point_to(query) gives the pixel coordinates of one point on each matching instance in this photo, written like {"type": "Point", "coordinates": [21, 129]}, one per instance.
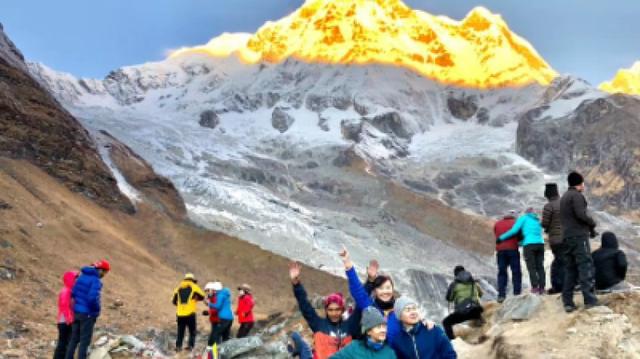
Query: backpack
{"type": "Point", "coordinates": [469, 305]}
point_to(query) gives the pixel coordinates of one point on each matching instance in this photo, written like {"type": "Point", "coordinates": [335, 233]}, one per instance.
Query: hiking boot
{"type": "Point", "coordinates": [541, 291]}
{"type": "Point", "coordinates": [500, 299]}
{"type": "Point", "coordinates": [570, 308]}
{"type": "Point", "coordinates": [553, 291]}
{"type": "Point", "coordinates": [534, 291]}
{"type": "Point", "coordinates": [591, 305]}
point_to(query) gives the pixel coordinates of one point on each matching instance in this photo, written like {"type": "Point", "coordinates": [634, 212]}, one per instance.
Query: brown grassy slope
{"type": "Point", "coordinates": [149, 253]}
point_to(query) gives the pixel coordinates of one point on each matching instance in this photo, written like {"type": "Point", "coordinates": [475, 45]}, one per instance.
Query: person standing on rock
{"type": "Point", "coordinates": [416, 340]}
{"type": "Point", "coordinates": [185, 298]}
{"type": "Point", "coordinates": [533, 243]}
{"type": "Point", "coordinates": [331, 333]}
{"type": "Point", "coordinates": [221, 332]}
{"type": "Point", "coordinates": [65, 314]}
{"type": "Point", "coordinates": [245, 310]}
{"type": "Point", "coordinates": [577, 228]}
{"type": "Point", "coordinates": [508, 256]}
{"type": "Point", "coordinates": [465, 295]}
{"type": "Point", "coordinates": [86, 308]}
{"type": "Point", "coordinates": [373, 345]}
{"type": "Point", "coordinates": [610, 262]}
{"type": "Point", "coordinates": [552, 224]}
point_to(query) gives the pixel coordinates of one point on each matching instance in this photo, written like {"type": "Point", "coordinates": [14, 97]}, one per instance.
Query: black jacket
{"type": "Point", "coordinates": [610, 262]}
{"type": "Point", "coordinates": [551, 221]}
{"type": "Point", "coordinates": [573, 214]}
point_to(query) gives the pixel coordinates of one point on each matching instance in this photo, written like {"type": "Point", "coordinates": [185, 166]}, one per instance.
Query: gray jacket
{"type": "Point", "coordinates": [574, 217]}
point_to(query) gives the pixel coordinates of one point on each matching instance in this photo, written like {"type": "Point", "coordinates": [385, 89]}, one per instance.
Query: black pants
{"type": "Point", "coordinates": [81, 333]}
{"type": "Point", "coordinates": [184, 323]}
{"type": "Point", "coordinates": [457, 317]}
{"type": "Point", "coordinates": [244, 330]}
{"type": "Point", "coordinates": [578, 269]}
{"type": "Point", "coordinates": [534, 257]}
{"type": "Point", "coordinates": [509, 259]}
{"type": "Point", "coordinates": [220, 332]}
{"type": "Point", "coordinates": [557, 267]}
{"type": "Point", "coordinates": [64, 335]}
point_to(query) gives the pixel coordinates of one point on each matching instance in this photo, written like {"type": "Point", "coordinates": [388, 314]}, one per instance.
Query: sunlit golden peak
{"type": "Point", "coordinates": [479, 51]}
{"type": "Point", "coordinates": [626, 81]}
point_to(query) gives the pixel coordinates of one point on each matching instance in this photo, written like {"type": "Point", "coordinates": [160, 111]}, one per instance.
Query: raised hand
{"type": "Point", "coordinates": [346, 259]}
{"type": "Point", "coordinates": [294, 272]}
{"type": "Point", "coordinates": [372, 270]}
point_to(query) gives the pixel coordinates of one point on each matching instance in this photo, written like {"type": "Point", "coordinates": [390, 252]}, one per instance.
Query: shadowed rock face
{"type": "Point", "coordinates": [34, 127]}
{"type": "Point", "coordinates": [601, 138]}
{"type": "Point", "coordinates": [280, 120]}
{"type": "Point", "coordinates": [209, 119]}
{"type": "Point", "coordinates": [463, 108]}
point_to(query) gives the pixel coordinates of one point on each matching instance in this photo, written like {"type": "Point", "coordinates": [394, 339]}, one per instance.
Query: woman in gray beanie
{"type": "Point", "coordinates": [373, 345]}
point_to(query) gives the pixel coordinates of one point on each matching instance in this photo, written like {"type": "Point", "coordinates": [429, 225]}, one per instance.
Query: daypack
{"type": "Point", "coordinates": [470, 304]}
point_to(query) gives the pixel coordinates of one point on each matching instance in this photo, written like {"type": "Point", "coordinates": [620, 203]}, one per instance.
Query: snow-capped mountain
{"type": "Point", "coordinates": [302, 157]}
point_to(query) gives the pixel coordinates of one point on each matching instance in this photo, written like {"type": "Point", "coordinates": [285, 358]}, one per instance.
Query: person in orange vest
{"type": "Point", "coordinates": [185, 297]}
{"type": "Point", "coordinates": [245, 310]}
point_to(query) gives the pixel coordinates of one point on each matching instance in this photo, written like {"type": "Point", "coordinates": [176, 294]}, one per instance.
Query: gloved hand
{"type": "Point", "coordinates": [205, 312]}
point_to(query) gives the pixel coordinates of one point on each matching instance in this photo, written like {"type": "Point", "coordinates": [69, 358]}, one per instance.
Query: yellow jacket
{"type": "Point", "coordinates": [185, 298]}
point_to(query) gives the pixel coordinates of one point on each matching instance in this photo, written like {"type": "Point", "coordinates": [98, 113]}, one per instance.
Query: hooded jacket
{"type": "Point", "coordinates": [573, 214]}
{"type": "Point", "coordinates": [462, 288]}
{"type": "Point", "coordinates": [529, 224]}
{"type": "Point", "coordinates": [245, 308]}
{"type": "Point", "coordinates": [185, 298]}
{"type": "Point", "coordinates": [551, 221]}
{"type": "Point", "coordinates": [328, 337]}
{"type": "Point", "coordinates": [223, 304]}
{"type": "Point", "coordinates": [65, 303]}
{"type": "Point", "coordinates": [360, 350]}
{"type": "Point", "coordinates": [610, 262]}
{"type": "Point", "coordinates": [364, 300]}
{"type": "Point", "coordinates": [86, 292]}
{"type": "Point", "coordinates": [421, 343]}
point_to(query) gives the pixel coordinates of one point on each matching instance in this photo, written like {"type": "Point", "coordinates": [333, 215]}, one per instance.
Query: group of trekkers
{"type": "Point", "coordinates": [78, 309]}
{"type": "Point", "coordinates": [383, 324]}
{"type": "Point", "coordinates": [218, 301]}
{"type": "Point", "coordinates": [569, 227]}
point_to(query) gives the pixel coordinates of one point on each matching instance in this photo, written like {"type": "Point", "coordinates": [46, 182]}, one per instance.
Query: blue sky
{"type": "Point", "coordinates": [588, 38]}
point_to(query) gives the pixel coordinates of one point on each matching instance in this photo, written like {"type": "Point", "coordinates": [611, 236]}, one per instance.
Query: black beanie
{"type": "Point", "coordinates": [457, 270]}
{"type": "Point", "coordinates": [575, 179]}
{"type": "Point", "coordinates": [551, 190]}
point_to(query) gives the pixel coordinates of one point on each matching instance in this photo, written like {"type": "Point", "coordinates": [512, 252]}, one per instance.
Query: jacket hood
{"type": "Point", "coordinates": [89, 270]}
{"type": "Point", "coordinates": [69, 278]}
{"type": "Point", "coordinates": [532, 215]}
{"type": "Point", "coordinates": [464, 277]}
{"type": "Point", "coordinates": [609, 240]}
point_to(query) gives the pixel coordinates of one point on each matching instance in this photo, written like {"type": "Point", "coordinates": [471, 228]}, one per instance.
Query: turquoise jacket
{"type": "Point", "coordinates": [529, 224]}
{"type": "Point", "coordinates": [358, 349]}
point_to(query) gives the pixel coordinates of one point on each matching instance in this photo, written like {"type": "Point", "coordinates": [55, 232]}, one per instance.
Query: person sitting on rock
{"type": "Point", "coordinates": [86, 308]}
{"type": "Point", "coordinates": [65, 313]}
{"type": "Point", "coordinates": [331, 333]}
{"type": "Point", "coordinates": [465, 294]}
{"type": "Point", "coordinates": [381, 297]}
{"type": "Point", "coordinates": [185, 297]}
{"type": "Point", "coordinates": [245, 310]}
{"type": "Point", "coordinates": [221, 331]}
{"type": "Point", "coordinates": [416, 340]}
{"type": "Point", "coordinates": [610, 263]}
{"type": "Point", "coordinates": [373, 344]}
{"type": "Point", "coordinates": [533, 244]}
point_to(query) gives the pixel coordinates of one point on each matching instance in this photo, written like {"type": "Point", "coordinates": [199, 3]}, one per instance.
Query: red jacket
{"type": "Point", "coordinates": [65, 302]}
{"type": "Point", "coordinates": [503, 226]}
{"type": "Point", "coordinates": [245, 309]}
{"type": "Point", "coordinates": [213, 313]}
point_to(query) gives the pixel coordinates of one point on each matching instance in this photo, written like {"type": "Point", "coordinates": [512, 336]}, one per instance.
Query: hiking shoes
{"type": "Point", "coordinates": [570, 308]}
{"type": "Point", "coordinates": [500, 299]}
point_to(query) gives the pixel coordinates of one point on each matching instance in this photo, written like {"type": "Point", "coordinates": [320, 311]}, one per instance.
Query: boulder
{"type": "Point", "coordinates": [521, 307]}
{"type": "Point", "coordinates": [209, 119]}
{"type": "Point", "coordinates": [281, 120]}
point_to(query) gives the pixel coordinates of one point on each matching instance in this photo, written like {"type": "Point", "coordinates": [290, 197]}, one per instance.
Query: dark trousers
{"type": "Point", "coordinates": [557, 267]}
{"type": "Point", "coordinates": [64, 335]}
{"type": "Point", "coordinates": [81, 333]}
{"type": "Point", "coordinates": [457, 317]}
{"type": "Point", "coordinates": [578, 269]}
{"type": "Point", "coordinates": [220, 332]}
{"type": "Point", "coordinates": [244, 330]}
{"type": "Point", "coordinates": [184, 323]}
{"type": "Point", "coordinates": [509, 259]}
{"type": "Point", "coordinates": [534, 257]}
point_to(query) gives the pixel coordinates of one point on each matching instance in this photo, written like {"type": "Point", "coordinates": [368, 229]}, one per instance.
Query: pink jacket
{"type": "Point", "coordinates": [65, 305]}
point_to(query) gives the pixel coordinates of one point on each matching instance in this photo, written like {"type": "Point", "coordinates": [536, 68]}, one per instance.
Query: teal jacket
{"type": "Point", "coordinates": [529, 224]}
{"type": "Point", "coordinates": [358, 349]}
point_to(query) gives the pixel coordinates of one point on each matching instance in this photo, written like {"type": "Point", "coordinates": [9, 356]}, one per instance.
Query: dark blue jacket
{"type": "Point", "coordinates": [364, 299]}
{"type": "Point", "coordinates": [422, 343]}
{"type": "Point", "coordinates": [86, 292]}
